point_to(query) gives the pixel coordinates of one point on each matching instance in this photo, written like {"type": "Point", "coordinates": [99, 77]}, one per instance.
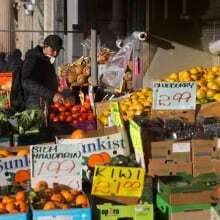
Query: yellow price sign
{"type": "Point", "coordinates": [115, 113]}
{"type": "Point", "coordinates": [118, 181]}
{"type": "Point", "coordinates": [135, 133]}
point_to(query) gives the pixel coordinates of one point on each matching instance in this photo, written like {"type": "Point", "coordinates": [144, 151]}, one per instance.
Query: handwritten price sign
{"type": "Point", "coordinates": [174, 95]}
{"type": "Point", "coordinates": [57, 164]}
{"type": "Point", "coordinates": [135, 133]}
{"type": "Point", "coordinates": [118, 181]}
{"type": "Point", "coordinates": [115, 113]}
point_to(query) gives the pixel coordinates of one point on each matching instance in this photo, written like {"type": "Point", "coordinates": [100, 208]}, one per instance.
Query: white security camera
{"type": "Point", "coordinates": [214, 47]}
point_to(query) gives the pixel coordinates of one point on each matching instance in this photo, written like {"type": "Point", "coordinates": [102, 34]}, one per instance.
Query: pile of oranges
{"type": "Point", "coordinates": [19, 152]}
{"type": "Point", "coordinates": [14, 204]}
{"type": "Point", "coordinates": [58, 197]}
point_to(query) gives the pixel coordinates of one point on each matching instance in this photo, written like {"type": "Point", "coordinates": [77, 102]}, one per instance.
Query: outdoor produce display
{"type": "Point", "coordinates": [145, 154]}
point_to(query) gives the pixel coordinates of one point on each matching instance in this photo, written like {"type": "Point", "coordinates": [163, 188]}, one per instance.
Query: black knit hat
{"type": "Point", "coordinates": [54, 41]}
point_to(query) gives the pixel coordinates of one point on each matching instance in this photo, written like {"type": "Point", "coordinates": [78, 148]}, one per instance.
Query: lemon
{"type": "Point", "coordinates": [200, 93]}
{"type": "Point", "coordinates": [210, 93]}
{"type": "Point", "coordinates": [199, 68]}
{"type": "Point", "coordinates": [194, 77]}
{"type": "Point", "coordinates": [217, 80]}
{"type": "Point", "coordinates": [209, 76]}
{"type": "Point", "coordinates": [217, 97]}
{"type": "Point", "coordinates": [173, 76]}
{"type": "Point", "coordinates": [104, 120]}
{"type": "Point", "coordinates": [215, 69]}
{"type": "Point", "coordinates": [194, 71]}
{"type": "Point", "coordinates": [212, 85]}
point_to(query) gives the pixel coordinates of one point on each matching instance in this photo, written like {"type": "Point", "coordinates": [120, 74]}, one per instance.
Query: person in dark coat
{"type": "Point", "coordinates": [14, 61]}
{"type": "Point", "coordinates": [39, 79]}
{"type": "Point", "coordinates": [3, 62]}
{"type": "Point", "coordinates": [14, 65]}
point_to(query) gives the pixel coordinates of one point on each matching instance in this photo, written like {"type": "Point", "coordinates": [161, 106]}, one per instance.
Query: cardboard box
{"type": "Point", "coordinates": [135, 212]}
{"type": "Point", "coordinates": [182, 212]}
{"type": "Point", "coordinates": [202, 166]}
{"type": "Point", "coordinates": [18, 216]}
{"type": "Point", "coordinates": [76, 214]}
{"type": "Point", "coordinates": [171, 150]}
{"type": "Point", "coordinates": [15, 170]}
{"type": "Point", "coordinates": [185, 190]}
{"type": "Point", "coordinates": [206, 149]}
{"type": "Point", "coordinates": [168, 168]}
{"type": "Point", "coordinates": [186, 115]}
{"type": "Point", "coordinates": [208, 110]}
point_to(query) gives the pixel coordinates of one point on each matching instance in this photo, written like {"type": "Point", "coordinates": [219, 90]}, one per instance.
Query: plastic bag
{"type": "Point", "coordinates": [115, 69]}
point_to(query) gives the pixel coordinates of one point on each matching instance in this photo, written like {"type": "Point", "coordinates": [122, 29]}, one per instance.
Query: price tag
{"type": "Point", "coordinates": [57, 164]}
{"type": "Point", "coordinates": [181, 147]}
{"type": "Point", "coordinates": [174, 95]}
{"type": "Point", "coordinates": [91, 98]}
{"type": "Point", "coordinates": [218, 143]}
{"type": "Point", "coordinates": [115, 113]}
{"type": "Point", "coordinates": [118, 181]}
{"type": "Point", "coordinates": [135, 133]}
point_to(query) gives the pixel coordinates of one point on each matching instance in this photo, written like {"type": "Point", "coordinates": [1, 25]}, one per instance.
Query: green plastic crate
{"type": "Point", "coordinates": [135, 212]}
{"type": "Point", "coordinates": [179, 212]}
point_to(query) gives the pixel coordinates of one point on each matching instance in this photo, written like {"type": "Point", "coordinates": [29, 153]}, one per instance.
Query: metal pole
{"type": "Point", "coordinates": [94, 69]}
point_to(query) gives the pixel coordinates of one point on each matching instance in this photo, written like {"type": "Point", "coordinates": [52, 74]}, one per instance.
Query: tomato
{"type": "Point", "coordinates": [67, 114]}
{"type": "Point", "coordinates": [83, 109]}
{"type": "Point", "coordinates": [76, 108]}
{"type": "Point", "coordinates": [90, 116]}
{"type": "Point", "coordinates": [55, 119]}
{"type": "Point", "coordinates": [52, 116]}
{"type": "Point", "coordinates": [81, 119]}
{"type": "Point", "coordinates": [61, 108]}
{"type": "Point", "coordinates": [57, 105]}
{"type": "Point", "coordinates": [69, 119]}
{"type": "Point", "coordinates": [68, 104]}
{"type": "Point", "coordinates": [75, 122]}
{"type": "Point", "coordinates": [87, 105]}
{"type": "Point", "coordinates": [84, 116]}
{"type": "Point", "coordinates": [75, 115]}
{"type": "Point", "coordinates": [87, 98]}
{"type": "Point", "coordinates": [62, 117]}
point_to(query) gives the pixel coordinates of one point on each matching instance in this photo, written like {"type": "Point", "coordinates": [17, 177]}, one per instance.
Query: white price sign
{"type": "Point", "coordinates": [174, 95]}
{"type": "Point", "coordinates": [57, 163]}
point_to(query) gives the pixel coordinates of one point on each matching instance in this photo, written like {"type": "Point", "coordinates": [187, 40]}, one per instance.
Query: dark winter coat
{"type": "Point", "coordinates": [39, 80]}
{"type": "Point", "coordinates": [3, 66]}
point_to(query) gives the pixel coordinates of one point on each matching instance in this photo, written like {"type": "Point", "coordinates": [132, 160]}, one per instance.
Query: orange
{"type": "Point", "coordinates": [82, 200]}
{"type": "Point", "coordinates": [56, 197]}
{"type": "Point", "coordinates": [8, 199]}
{"type": "Point", "coordinates": [106, 157]}
{"type": "Point", "coordinates": [22, 152]}
{"type": "Point", "coordinates": [49, 205]}
{"type": "Point", "coordinates": [10, 206]}
{"type": "Point", "coordinates": [2, 206]}
{"type": "Point", "coordinates": [40, 185]}
{"type": "Point", "coordinates": [78, 134]}
{"type": "Point", "coordinates": [67, 195]}
{"type": "Point", "coordinates": [22, 206]}
{"type": "Point", "coordinates": [95, 159]}
{"type": "Point", "coordinates": [20, 196]}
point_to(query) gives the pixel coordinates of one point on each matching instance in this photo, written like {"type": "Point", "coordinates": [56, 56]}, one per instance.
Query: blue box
{"type": "Point", "coordinates": [17, 216]}
{"type": "Point", "coordinates": [73, 214]}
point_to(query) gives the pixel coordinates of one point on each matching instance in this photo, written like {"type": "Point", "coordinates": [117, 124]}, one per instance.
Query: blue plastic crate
{"type": "Point", "coordinates": [70, 214]}
{"type": "Point", "coordinates": [17, 216]}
